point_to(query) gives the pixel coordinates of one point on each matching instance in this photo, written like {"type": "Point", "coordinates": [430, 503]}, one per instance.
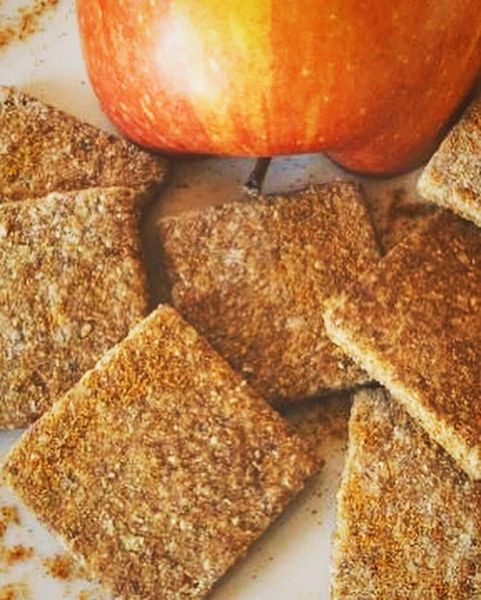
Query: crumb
{"type": "Point", "coordinates": [91, 595]}
{"type": "Point", "coordinates": [9, 514]}
{"type": "Point", "coordinates": [15, 591]}
{"type": "Point", "coordinates": [85, 595]}
{"type": "Point", "coordinates": [62, 567]}
{"type": "Point", "coordinates": [27, 22]}
{"type": "Point", "coordinates": [15, 554]}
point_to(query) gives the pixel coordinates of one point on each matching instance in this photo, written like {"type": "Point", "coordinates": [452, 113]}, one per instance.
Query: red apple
{"type": "Point", "coordinates": [372, 82]}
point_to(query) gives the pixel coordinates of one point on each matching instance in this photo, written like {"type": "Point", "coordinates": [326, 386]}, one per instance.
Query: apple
{"type": "Point", "coordinates": [372, 82]}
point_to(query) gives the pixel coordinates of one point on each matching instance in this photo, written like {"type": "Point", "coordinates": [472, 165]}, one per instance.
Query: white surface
{"type": "Point", "coordinates": [292, 561]}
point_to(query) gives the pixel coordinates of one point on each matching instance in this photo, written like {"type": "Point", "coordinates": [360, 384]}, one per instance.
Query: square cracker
{"type": "Point", "coordinates": [43, 150]}
{"type": "Point", "coordinates": [253, 278]}
{"type": "Point", "coordinates": [73, 284]}
{"type": "Point", "coordinates": [161, 466]}
{"type": "Point", "coordinates": [414, 324]}
{"type": "Point", "coordinates": [408, 519]}
{"type": "Point", "coordinates": [452, 178]}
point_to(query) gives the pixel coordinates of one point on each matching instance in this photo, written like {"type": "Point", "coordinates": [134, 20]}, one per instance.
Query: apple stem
{"type": "Point", "coordinates": [253, 185]}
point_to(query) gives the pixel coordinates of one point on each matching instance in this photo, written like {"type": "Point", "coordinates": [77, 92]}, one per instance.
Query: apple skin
{"type": "Point", "coordinates": [372, 82]}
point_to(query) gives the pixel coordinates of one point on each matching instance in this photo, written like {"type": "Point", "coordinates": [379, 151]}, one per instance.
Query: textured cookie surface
{"type": "Point", "coordinates": [413, 324]}
{"type": "Point", "coordinates": [161, 466]}
{"type": "Point", "coordinates": [72, 285]}
{"type": "Point", "coordinates": [408, 520]}
{"type": "Point", "coordinates": [452, 178]}
{"type": "Point", "coordinates": [253, 277]}
{"type": "Point", "coordinates": [44, 150]}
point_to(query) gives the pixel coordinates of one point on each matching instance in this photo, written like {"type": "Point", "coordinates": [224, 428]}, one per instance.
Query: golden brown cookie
{"type": "Point", "coordinates": [72, 285]}
{"type": "Point", "coordinates": [253, 278]}
{"type": "Point", "coordinates": [408, 519]}
{"type": "Point", "coordinates": [161, 466]}
{"type": "Point", "coordinates": [413, 324]}
{"type": "Point", "coordinates": [43, 150]}
{"type": "Point", "coordinates": [452, 178]}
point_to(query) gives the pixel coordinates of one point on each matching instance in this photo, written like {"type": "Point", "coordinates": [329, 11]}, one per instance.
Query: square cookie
{"type": "Point", "coordinates": [414, 324]}
{"type": "Point", "coordinates": [73, 284]}
{"type": "Point", "coordinates": [161, 466]}
{"type": "Point", "coordinates": [408, 519]}
{"type": "Point", "coordinates": [43, 150]}
{"type": "Point", "coordinates": [452, 178]}
{"type": "Point", "coordinates": [253, 278]}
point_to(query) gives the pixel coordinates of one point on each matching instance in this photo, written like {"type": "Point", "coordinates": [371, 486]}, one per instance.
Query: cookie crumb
{"type": "Point", "coordinates": [15, 554]}
{"type": "Point", "coordinates": [14, 591]}
{"type": "Point", "coordinates": [8, 515]}
{"type": "Point", "coordinates": [62, 567]}
{"type": "Point", "coordinates": [27, 22]}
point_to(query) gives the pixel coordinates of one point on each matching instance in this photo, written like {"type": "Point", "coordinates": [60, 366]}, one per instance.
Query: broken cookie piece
{"type": "Point", "coordinates": [452, 178]}
{"type": "Point", "coordinates": [43, 150]}
{"type": "Point", "coordinates": [73, 284]}
{"type": "Point", "coordinates": [253, 278]}
{"type": "Point", "coordinates": [413, 324]}
{"type": "Point", "coordinates": [161, 466]}
{"type": "Point", "coordinates": [408, 519]}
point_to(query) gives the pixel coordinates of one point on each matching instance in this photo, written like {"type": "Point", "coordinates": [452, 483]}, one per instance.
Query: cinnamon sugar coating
{"type": "Point", "coordinates": [253, 278]}
{"type": "Point", "coordinates": [161, 466]}
{"type": "Point", "coordinates": [73, 283]}
{"type": "Point", "coordinates": [408, 519]}
{"type": "Point", "coordinates": [44, 150]}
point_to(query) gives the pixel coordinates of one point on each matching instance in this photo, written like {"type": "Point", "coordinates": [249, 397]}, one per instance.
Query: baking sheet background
{"type": "Point", "coordinates": [291, 562]}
